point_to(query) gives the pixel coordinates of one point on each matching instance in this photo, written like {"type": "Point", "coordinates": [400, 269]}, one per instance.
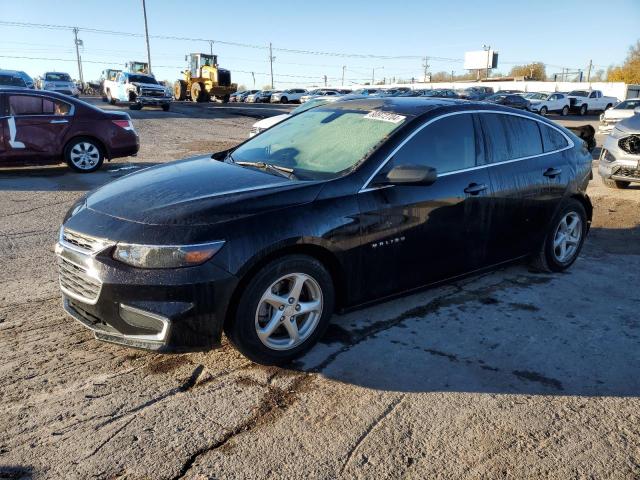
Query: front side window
{"type": "Point", "coordinates": [324, 142]}
{"type": "Point", "coordinates": [509, 137]}
{"type": "Point", "coordinates": [448, 144]}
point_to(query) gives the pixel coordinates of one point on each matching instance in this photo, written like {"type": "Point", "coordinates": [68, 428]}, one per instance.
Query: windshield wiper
{"type": "Point", "coordinates": [277, 169]}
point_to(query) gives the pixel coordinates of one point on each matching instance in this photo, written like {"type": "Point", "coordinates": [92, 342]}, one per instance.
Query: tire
{"type": "Point", "coordinates": [253, 312]}
{"type": "Point", "coordinates": [110, 99]}
{"type": "Point", "coordinates": [549, 258]}
{"type": "Point", "coordinates": [584, 109]}
{"type": "Point", "coordinates": [284, 100]}
{"type": "Point", "coordinates": [225, 99]}
{"type": "Point", "coordinates": [565, 111]}
{"type": "Point", "coordinates": [135, 106]}
{"type": "Point", "coordinates": [180, 90]}
{"type": "Point", "coordinates": [92, 151]}
{"type": "Point", "coordinates": [608, 106]}
{"type": "Point", "coordinates": [197, 92]}
{"type": "Point", "coordinates": [166, 107]}
{"type": "Point", "coordinates": [543, 111]}
{"type": "Point", "coordinates": [618, 184]}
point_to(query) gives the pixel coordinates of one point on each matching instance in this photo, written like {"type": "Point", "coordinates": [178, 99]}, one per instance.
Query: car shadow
{"type": "Point", "coordinates": [511, 331]}
{"type": "Point", "coordinates": [16, 472]}
{"type": "Point", "coordinates": [62, 178]}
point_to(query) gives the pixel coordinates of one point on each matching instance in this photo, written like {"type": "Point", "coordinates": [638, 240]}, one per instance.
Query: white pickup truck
{"type": "Point", "coordinates": [584, 101]}
{"type": "Point", "coordinates": [137, 89]}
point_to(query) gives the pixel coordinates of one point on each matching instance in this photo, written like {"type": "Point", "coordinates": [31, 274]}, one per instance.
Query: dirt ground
{"type": "Point", "coordinates": [509, 374]}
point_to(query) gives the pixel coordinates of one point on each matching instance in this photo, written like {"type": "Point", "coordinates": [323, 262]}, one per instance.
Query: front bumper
{"type": "Point", "coordinates": [153, 100]}
{"type": "Point", "coordinates": [165, 310]}
{"type": "Point", "coordinates": [625, 167]}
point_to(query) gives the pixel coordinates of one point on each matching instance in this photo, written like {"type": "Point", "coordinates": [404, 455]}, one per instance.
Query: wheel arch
{"type": "Point", "coordinates": [321, 253]}
{"type": "Point", "coordinates": [586, 203]}
{"type": "Point", "coordinates": [101, 145]}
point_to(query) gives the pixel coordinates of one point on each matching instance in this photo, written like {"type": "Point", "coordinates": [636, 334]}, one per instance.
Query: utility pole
{"type": "Point", "coordinates": [254, 79]}
{"type": "Point", "coordinates": [488, 50]}
{"type": "Point", "coordinates": [589, 70]}
{"type": "Point", "coordinates": [78, 43]}
{"type": "Point", "coordinates": [452, 72]}
{"type": "Point", "coordinates": [325, 80]}
{"type": "Point", "coordinates": [425, 65]}
{"type": "Point", "coordinates": [146, 33]}
{"type": "Point", "coordinates": [271, 59]}
{"type": "Point", "coordinates": [211, 47]}
{"type": "Point", "coordinates": [373, 76]}
{"type": "Point", "coordinates": [343, 69]}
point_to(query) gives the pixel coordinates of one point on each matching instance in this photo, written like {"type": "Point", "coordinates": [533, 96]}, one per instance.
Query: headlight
{"type": "Point", "coordinates": [166, 256]}
{"type": "Point", "coordinates": [48, 85]}
{"type": "Point", "coordinates": [607, 157]}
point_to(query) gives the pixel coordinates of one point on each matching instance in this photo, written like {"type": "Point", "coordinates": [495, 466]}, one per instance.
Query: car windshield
{"type": "Point", "coordinates": [579, 93]}
{"type": "Point", "coordinates": [628, 104]}
{"type": "Point", "coordinates": [57, 77]}
{"type": "Point", "coordinates": [316, 102]}
{"type": "Point", "coordinates": [142, 79]}
{"type": "Point", "coordinates": [321, 143]}
{"type": "Point", "coordinates": [12, 81]}
{"type": "Point", "coordinates": [538, 96]}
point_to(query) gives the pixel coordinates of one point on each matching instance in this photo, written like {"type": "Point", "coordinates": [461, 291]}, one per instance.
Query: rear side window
{"type": "Point", "coordinates": [32, 105]}
{"type": "Point", "coordinates": [509, 137]}
{"type": "Point", "coordinates": [447, 145]}
{"type": "Point", "coordinates": [552, 139]}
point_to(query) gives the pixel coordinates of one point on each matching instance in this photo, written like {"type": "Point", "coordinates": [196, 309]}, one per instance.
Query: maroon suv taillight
{"type": "Point", "coordinates": [126, 124]}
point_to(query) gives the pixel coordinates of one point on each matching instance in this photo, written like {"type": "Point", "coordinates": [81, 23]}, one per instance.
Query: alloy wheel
{"type": "Point", "coordinates": [289, 311]}
{"type": "Point", "coordinates": [566, 239]}
{"type": "Point", "coordinates": [84, 155]}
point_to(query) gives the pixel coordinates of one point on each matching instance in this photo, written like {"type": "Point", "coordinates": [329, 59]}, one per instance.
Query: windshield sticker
{"type": "Point", "coordinates": [385, 116]}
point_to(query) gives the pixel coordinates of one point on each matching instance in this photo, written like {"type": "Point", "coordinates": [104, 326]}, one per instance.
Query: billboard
{"type": "Point", "coordinates": [478, 60]}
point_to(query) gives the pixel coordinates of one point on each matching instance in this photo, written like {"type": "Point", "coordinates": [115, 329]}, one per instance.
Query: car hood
{"type": "Point", "coordinates": [198, 191]}
{"type": "Point", "coordinates": [613, 113]}
{"type": "Point", "coordinates": [631, 124]}
{"type": "Point", "coordinates": [148, 85]}
{"type": "Point", "coordinates": [271, 121]}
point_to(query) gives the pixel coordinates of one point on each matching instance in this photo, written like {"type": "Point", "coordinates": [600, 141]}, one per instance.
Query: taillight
{"type": "Point", "coordinates": [126, 124]}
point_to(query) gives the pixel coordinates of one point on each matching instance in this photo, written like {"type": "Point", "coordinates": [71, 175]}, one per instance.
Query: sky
{"type": "Point", "coordinates": [335, 34]}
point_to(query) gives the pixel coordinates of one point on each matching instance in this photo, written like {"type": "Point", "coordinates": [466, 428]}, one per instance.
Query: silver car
{"type": "Point", "coordinates": [59, 82]}
{"type": "Point", "coordinates": [620, 156]}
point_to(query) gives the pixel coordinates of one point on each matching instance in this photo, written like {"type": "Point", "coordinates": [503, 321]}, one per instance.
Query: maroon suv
{"type": "Point", "coordinates": [41, 127]}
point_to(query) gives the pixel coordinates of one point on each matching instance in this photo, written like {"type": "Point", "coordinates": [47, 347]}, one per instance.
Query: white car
{"type": "Point", "coordinates": [620, 155]}
{"type": "Point", "coordinates": [584, 101]}
{"type": "Point", "coordinates": [269, 122]}
{"type": "Point", "coordinates": [622, 110]}
{"type": "Point", "coordinates": [59, 82]}
{"type": "Point", "coordinates": [545, 102]}
{"type": "Point", "coordinates": [291, 95]}
{"type": "Point", "coordinates": [322, 92]}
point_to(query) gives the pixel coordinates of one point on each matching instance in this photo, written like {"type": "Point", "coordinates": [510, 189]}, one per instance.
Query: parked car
{"type": "Point", "coordinates": [441, 93]}
{"type": "Point", "coordinates": [251, 98]}
{"type": "Point", "coordinates": [265, 123]}
{"type": "Point", "coordinates": [43, 127]}
{"type": "Point", "coordinates": [545, 102]}
{"type": "Point", "coordinates": [24, 78]}
{"type": "Point", "coordinates": [509, 92]}
{"type": "Point", "coordinates": [366, 91]}
{"type": "Point", "coordinates": [264, 96]}
{"type": "Point", "coordinates": [138, 90]}
{"type": "Point", "coordinates": [620, 156]}
{"type": "Point", "coordinates": [59, 82]}
{"type": "Point", "coordinates": [292, 95]}
{"type": "Point", "coordinates": [241, 97]}
{"type": "Point", "coordinates": [270, 238]}
{"type": "Point", "coordinates": [475, 93]}
{"type": "Point", "coordinates": [234, 96]}
{"type": "Point", "coordinates": [9, 79]}
{"type": "Point", "coordinates": [509, 100]}
{"type": "Point", "coordinates": [584, 101]}
{"type": "Point", "coordinates": [610, 117]}
{"type": "Point", "coordinates": [321, 92]}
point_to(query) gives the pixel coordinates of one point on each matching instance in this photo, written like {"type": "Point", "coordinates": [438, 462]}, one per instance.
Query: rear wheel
{"type": "Point", "coordinates": [565, 111]}
{"type": "Point", "coordinates": [564, 239]}
{"type": "Point", "coordinates": [84, 155]}
{"type": "Point", "coordinates": [225, 99]}
{"type": "Point", "coordinates": [180, 90]}
{"type": "Point", "coordinates": [611, 183]}
{"type": "Point", "coordinates": [283, 310]}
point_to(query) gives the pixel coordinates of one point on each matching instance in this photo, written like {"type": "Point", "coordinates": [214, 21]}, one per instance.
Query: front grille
{"type": "Point", "coordinates": [627, 172]}
{"type": "Point", "coordinates": [630, 144]}
{"type": "Point", "coordinates": [152, 93]}
{"type": "Point", "coordinates": [85, 242]}
{"type": "Point", "coordinates": [75, 281]}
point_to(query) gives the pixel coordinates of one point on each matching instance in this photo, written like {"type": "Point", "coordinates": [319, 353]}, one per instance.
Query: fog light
{"type": "Point", "coordinates": [142, 319]}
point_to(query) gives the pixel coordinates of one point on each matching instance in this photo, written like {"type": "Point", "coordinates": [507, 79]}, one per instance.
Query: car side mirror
{"type": "Point", "coordinates": [636, 111]}
{"type": "Point", "coordinates": [407, 175]}
{"type": "Point", "coordinates": [220, 156]}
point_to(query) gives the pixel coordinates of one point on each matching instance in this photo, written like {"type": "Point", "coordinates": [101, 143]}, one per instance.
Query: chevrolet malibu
{"type": "Point", "coordinates": [42, 127]}
{"type": "Point", "coordinates": [334, 208]}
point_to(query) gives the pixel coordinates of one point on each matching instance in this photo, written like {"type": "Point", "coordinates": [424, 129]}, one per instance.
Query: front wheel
{"type": "Point", "coordinates": [166, 107]}
{"type": "Point", "coordinates": [583, 110]}
{"type": "Point", "coordinates": [135, 106]}
{"type": "Point", "coordinates": [284, 100]}
{"type": "Point", "coordinates": [565, 111]}
{"type": "Point", "coordinates": [564, 238]}
{"type": "Point", "coordinates": [283, 310]}
{"type": "Point", "coordinates": [83, 155]}
{"type": "Point", "coordinates": [543, 111]}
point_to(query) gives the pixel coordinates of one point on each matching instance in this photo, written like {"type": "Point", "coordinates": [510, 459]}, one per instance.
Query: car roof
{"type": "Point", "coordinates": [402, 105]}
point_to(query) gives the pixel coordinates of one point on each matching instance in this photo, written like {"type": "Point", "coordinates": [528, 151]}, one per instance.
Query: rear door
{"type": "Point", "coordinates": [3, 128]}
{"type": "Point", "coordinates": [525, 181]}
{"type": "Point", "coordinates": [414, 235]}
{"type": "Point", "coordinates": [37, 126]}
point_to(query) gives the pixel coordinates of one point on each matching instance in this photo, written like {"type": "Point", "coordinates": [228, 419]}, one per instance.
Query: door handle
{"type": "Point", "coordinates": [552, 172]}
{"type": "Point", "coordinates": [475, 188]}
{"type": "Point", "coordinates": [59, 121]}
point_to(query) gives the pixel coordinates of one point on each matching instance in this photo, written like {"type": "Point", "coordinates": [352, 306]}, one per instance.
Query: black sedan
{"type": "Point", "coordinates": [344, 204]}
{"type": "Point", "coordinates": [509, 100]}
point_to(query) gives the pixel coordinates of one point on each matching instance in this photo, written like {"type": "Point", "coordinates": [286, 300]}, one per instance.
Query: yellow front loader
{"type": "Point", "coordinates": [204, 80]}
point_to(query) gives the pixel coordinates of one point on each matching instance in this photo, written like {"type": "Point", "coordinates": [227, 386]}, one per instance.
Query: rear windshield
{"type": "Point", "coordinates": [323, 142]}
{"type": "Point", "coordinates": [142, 79]}
{"type": "Point", "coordinates": [12, 81]}
{"type": "Point", "coordinates": [57, 77]}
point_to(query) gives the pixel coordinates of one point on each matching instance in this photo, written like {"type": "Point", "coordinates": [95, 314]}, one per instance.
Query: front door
{"type": "Point", "coordinates": [414, 235]}
{"type": "Point", "coordinates": [36, 126]}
